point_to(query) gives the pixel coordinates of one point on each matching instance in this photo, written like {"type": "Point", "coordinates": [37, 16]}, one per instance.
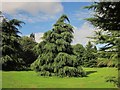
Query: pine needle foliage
{"type": "Point", "coordinates": [55, 52]}
{"type": "Point", "coordinates": [107, 18]}
{"type": "Point", "coordinates": [11, 48]}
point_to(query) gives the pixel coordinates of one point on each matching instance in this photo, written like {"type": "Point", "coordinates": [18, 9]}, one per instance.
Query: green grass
{"type": "Point", "coordinates": [29, 79]}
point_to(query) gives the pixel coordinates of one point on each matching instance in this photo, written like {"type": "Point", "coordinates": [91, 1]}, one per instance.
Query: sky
{"type": "Point", "coordinates": [39, 17]}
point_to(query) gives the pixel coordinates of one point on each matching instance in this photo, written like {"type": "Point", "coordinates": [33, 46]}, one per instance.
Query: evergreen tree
{"type": "Point", "coordinates": [32, 36]}
{"type": "Point", "coordinates": [55, 52]}
{"type": "Point", "coordinates": [107, 18]}
{"type": "Point", "coordinates": [108, 52]}
{"type": "Point", "coordinates": [90, 55]}
{"type": "Point", "coordinates": [11, 48]}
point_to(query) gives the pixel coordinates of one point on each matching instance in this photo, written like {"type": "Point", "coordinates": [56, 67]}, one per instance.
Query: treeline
{"type": "Point", "coordinates": [55, 55]}
{"type": "Point", "coordinates": [19, 52]}
{"type": "Point", "coordinates": [89, 56]}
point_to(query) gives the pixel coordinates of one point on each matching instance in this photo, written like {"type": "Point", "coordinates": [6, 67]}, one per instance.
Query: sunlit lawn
{"type": "Point", "coordinates": [29, 79]}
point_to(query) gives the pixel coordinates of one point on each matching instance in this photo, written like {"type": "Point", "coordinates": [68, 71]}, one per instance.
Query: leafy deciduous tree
{"type": "Point", "coordinates": [28, 54]}
{"type": "Point", "coordinates": [79, 51]}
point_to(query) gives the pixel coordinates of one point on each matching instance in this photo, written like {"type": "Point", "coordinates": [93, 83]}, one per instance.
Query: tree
{"type": "Point", "coordinates": [107, 18]}
{"type": "Point", "coordinates": [90, 55]}
{"type": "Point", "coordinates": [32, 36]}
{"type": "Point", "coordinates": [11, 59]}
{"type": "Point", "coordinates": [79, 51]}
{"type": "Point", "coordinates": [107, 54]}
{"type": "Point", "coordinates": [28, 54]}
{"type": "Point", "coordinates": [55, 52]}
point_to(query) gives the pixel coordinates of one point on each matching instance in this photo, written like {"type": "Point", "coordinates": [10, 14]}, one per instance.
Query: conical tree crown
{"type": "Point", "coordinates": [63, 18]}
{"type": "Point", "coordinates": [55, 52]}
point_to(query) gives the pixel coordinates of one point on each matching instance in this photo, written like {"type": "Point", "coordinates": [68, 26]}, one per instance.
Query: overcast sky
{"type": "Point", "coordinates": [40, 17]}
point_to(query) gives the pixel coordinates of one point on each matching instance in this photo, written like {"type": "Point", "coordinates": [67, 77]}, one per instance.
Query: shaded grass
{"type": "Point", "coordinates": [29, 79]}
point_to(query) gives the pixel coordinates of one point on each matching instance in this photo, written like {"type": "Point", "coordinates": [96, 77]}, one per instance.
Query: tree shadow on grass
{"type": "Point", "coordinates": [90, 72]}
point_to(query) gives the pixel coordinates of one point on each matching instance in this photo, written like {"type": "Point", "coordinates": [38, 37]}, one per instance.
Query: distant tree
{"type": "Point", "coordinates": [32, 36]}
{"type": "Point", "coordinates": [79, 51]}
{"type": "Point", "coordinates": [28, 54]}
{"type": "Point", "coordinates": [90, 55]}
{"type": "Point", "coordinates": [11, 48]}
{"type": "Point", "coordinates": [56, 54]}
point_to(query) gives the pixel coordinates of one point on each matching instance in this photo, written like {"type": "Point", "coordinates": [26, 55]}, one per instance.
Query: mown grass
{"type": "Point", "coordinates": [29, 79]}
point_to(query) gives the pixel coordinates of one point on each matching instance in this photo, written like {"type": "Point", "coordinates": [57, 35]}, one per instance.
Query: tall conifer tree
{"type": "Point", "coordinates": [107, 18]}
{"type": "Point", "coordinates": [11, 48]}
{"type": "Point", "coordinates": [55, 52]}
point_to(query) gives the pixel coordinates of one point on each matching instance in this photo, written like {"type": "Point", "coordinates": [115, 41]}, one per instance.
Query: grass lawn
{"type": "Point", "coordinates": [29, 79]}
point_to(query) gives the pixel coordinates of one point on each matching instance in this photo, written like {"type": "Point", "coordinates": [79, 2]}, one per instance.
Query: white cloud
{"type": "Point", "coordinates": [38, 37]}
{"type": "Point", "coordinates": [56, 0]}
{"type": "Point", "coordinates": [34, 19]}
{"type": "Point", "coordinates": [32, 11]}
{"type": "Point", "coordinates": [32, 7]}
{"type": "Point", "coordinates": [81, 34]}
{"type": "Point", "coordinates": [31, 0]}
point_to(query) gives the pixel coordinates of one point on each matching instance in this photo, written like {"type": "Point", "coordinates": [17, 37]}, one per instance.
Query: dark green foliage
{"type": "Point", "coordinates": [11, 48]}
{"type": "Point", "coordinates": [79, 51]}
{"type": "Point", "coordinates": [107, 19]}
{"type": "Point", "coordinates": [90, 55]}
{"type": "Point", "coordinates": [28, 54]}
{"type": "Point", "coordinates": [118, 54]}
{"type": "Point", "coordinates": [86, 56]}
{"type": "Point", "coordinates": [32, 36]}
{"type": "Point", "coordinates": [106, 16]}
{"type": "Point", "coordinates": [67, 65]}
{"type": "Point", "coordinates": [56, 54]}
{"type": "Point", "coordinates": [107, 39]}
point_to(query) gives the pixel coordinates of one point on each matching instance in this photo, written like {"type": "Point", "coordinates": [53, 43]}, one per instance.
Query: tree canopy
{"type": "Point", "coordinates": [55, 52]}
{"type": "Point", "coordinates": [106, 16]}
{"type": "Point", "coordinates": [11, 48]}
{"type": "Point", "coordinates": [107, 19]}
{"type": "Point", "coordinates": [28, 54]}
